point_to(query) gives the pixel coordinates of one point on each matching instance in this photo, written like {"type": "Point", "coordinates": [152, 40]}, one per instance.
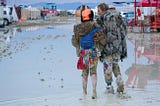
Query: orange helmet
{"type": "Point", "coordinates": [85, 14]}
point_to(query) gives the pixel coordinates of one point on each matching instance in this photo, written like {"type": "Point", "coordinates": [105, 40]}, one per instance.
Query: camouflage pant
{"type": "Point", "coordinates": [93, 69]}
{"type": "Point", "coordinates": [112, 63]}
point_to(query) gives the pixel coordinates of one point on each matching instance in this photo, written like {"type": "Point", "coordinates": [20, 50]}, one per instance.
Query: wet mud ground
{"type": "Point", "coordinates": [38, 68]}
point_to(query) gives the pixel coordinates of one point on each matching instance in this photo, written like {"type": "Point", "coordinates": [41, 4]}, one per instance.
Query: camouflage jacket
{"type": "Point", "coordinates": [115, 28]}
{"type": "Point", "coordinates": [82, 29]}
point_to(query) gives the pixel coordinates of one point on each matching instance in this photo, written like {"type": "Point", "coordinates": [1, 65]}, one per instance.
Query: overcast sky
{"type": "Point", "coordinates": [59, 1]}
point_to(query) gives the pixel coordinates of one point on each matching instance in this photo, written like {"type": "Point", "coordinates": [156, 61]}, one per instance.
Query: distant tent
{"type": "Point", "coordinates": [80, 8]}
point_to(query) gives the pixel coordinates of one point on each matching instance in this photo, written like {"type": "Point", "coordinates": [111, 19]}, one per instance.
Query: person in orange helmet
{"type": "Point", "coordinates": [86, 48]}
{"type": "Point", "coordinates": [84, 15]}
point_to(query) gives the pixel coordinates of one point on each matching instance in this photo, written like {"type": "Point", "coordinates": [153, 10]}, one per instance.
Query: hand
{"type": "Point", "coordinates": [101, 58]}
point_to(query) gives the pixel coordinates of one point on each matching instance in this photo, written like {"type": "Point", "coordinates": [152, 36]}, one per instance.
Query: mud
{"type": "Point", "coordinates": [38, 68]}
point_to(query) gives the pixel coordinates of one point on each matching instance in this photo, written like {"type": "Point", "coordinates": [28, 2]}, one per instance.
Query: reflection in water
{"type": "Point", "coordinates": [10, 45]}
{"type": "Point", "coordinates": [140, 75]}
{"type": "Point", "coordinates": [5, 38]}
{"type": "Point", "coordinates": [146, 48]}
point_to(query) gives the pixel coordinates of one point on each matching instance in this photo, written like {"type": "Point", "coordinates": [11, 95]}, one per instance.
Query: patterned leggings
{"type": "Point", "coordinates": [111, 65]}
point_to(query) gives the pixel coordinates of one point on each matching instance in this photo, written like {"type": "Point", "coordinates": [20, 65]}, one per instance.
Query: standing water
{"type": "Point", "coordinates": [38, 68]}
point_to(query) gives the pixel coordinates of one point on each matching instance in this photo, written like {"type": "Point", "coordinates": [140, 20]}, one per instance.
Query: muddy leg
{"type": "Point", "coordinates": [117, 74]}
{"type": "Point", "coordinates": [107, 68]}
{"type": "Point", "coordinates": [84, 84]}
{"type": "Point", "coordinates": [108, 77]}
{"type": "Point", "coordinates": [94, 84]}
{"type": "Point", "coordinates": [85, 81]}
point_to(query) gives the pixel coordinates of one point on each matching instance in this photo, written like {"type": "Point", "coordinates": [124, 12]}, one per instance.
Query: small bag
{"type": "Point", "coordinates": [80, 64]}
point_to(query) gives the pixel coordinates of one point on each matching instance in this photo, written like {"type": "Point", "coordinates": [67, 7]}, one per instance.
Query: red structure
{"type": "Point", "coordinates": [154, 18]}
{"type": "Point", "coordinates": [139, 74]}
{"type": "Point", "coordinates": [148, 3]}
{"type": "Point", "coordinates": [50, 8]}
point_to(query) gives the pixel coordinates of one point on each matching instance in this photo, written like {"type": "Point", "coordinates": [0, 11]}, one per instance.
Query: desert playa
{"type": "Point", "coordinates": [38, 68]}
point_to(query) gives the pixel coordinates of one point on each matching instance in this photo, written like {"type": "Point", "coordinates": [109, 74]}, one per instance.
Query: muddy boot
{"type": "Point", "coordinates": [120, 85]}
{"type": "Point", "coordinates": [120, 88]}
{"type": "Point", "coordinates": [85, 91]}
{"type": "Point", "coordinates": [109, 89]}
{"type": "Point", "coordinates": [94, 95]}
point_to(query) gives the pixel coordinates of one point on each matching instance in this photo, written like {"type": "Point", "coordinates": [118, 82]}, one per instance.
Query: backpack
{"type": "Point", "coordinates": [87, 41]}
{"type": "Point", "coordinates": [116, 29]}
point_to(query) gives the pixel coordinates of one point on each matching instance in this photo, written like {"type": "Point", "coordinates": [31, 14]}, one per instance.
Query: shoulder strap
{"type": "Point", "coordinates": [87, 41]}
{"type": "Point", "coordinates": [94, 30]}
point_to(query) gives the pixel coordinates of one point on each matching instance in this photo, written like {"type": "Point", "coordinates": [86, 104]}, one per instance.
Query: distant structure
{"type": "Point", "coordinates": [47, 9]}
{"type": "Point", "coordinates": [80, 8]}
{"type": "Point", "coordinates": [3, 2]}
{"type": "Point", "coordinates": [50, 6]}
{"type": "Point", "coordinates": [123, 6]}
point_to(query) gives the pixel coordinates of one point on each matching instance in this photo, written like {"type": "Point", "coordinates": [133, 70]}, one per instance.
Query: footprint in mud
{"type": "Point", "coordinates": [123, 96]}
{"type": "Point", "coordinates": [39, 73]}
{"type": "Point", "coordinates": [58, 36]}
{"type": "Point", "coordinates": [62, 84]}
{"type": "Point", "coordinates": [42, 80]}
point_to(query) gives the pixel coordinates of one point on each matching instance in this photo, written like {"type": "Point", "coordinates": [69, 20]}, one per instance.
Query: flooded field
{"type": "Point", "coordinates": [38, 68]}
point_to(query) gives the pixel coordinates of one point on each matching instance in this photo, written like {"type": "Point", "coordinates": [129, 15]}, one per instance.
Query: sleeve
{"type": "Point", "coordinates": [75, 41]}
{"type": "Point", "coordinates": [75, 37]}
{"type": "Point", "coordinates": [123, 25]}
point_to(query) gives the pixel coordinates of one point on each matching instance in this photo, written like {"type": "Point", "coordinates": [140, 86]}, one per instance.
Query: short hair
{"type": "Point", "coordinates": [103, 6]}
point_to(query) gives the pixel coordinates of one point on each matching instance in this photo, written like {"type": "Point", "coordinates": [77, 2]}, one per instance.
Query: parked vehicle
{"type": "Point", "coordinates": [8, 14]}
{"type": "Point", "coordinates": [1, 16]}
{"type": "Point", "coordinates": [129, 16]}
{"type": "Point", "coordinates": [123, 14]}
{"type": "Point", "coordinates": [49, 10]}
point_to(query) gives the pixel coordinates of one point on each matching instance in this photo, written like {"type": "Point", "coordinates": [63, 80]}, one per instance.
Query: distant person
{"type": "Point", "coordinates": [87, 37]}
{"type": "Point", "coordinates": [115, 48]}
{"type": "Point", "coordinates": [42, 15]}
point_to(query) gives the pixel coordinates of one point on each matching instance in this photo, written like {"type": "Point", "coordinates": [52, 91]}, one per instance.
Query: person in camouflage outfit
{"type": "Point", "coordinates": [115, 48]}
{"type": "Point", "coordinates": [89, 59]}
